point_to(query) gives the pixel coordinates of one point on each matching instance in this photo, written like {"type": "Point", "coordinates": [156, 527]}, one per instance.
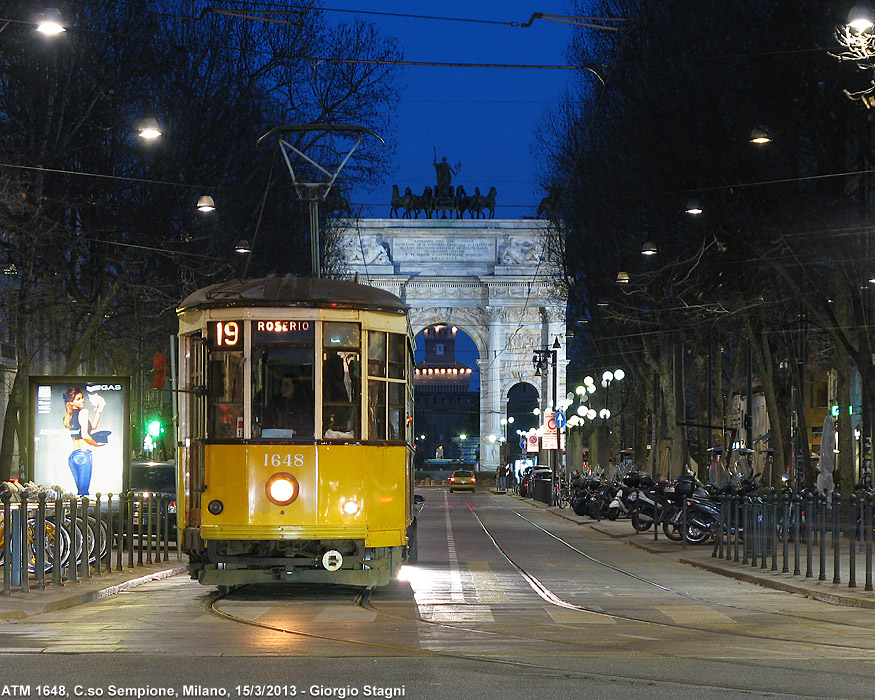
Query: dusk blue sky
{"type": "Point", "coordinates": [484, 118]}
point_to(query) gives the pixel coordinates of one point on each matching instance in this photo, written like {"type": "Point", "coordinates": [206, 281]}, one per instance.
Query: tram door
{"type": "Point", "coordinates": [195, 402]}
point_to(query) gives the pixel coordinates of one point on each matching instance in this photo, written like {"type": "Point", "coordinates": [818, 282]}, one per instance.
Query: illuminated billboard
{"type": "Point", "coordinates": [79, 430]}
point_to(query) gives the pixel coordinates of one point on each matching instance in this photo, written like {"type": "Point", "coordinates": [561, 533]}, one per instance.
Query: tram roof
{"type": "Point", "coordinates": [292, 291]}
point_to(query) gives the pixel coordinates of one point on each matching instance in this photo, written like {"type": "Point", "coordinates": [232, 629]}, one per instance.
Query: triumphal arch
{"type": "Point", "coordinates": [489, 277]}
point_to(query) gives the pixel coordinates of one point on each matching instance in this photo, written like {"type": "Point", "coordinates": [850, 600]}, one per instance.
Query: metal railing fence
{"type": "Point", "coordinates": [826, 531]}
{"type": "Point", "coordinates": [50, 540]}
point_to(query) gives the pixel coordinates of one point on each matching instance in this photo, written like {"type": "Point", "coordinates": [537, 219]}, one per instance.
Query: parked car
{"type": "Point", "coordinates": [528, 478]}
{"type": "Point", "coordinates": [159, 480]}
{"type": "Point", "coordinates": [462, 480]}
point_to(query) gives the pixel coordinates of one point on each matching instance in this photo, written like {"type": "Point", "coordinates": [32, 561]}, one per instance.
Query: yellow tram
{"type": "Point", "coordinates": [296, 457]}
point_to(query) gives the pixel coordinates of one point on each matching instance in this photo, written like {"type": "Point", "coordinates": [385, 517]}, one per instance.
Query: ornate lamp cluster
{"type": "Point", "coordinates": [587, 412]}
{"type": "Point", "coordinates": [858, 45]}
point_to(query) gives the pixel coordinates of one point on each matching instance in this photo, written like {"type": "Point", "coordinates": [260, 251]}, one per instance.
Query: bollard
{"type": "Point", "coordinates": [785, 508]}
{"type": "Point", "coordinates": [727, 522]}
{"type": "Point", "coordinates": [773, 528]}
{"type": "Point", "coordinates": [40, 541]}
{"type": "Point", "coordinates": [166, 501]}
{"type": "Point", "coordinates": [98, 550]}
{"type": "Point", "coordinates": [23, 549]}
{"type": "Point", "coordinates": [150, 524]}
{"type": "Point", "coordinates": [58, 524]}
{"type": "Point", "coordinates": [821, 515]}
{"type": "Point", "coordinates": [747, 530]}
{"type": "Point", "coordinates": [736, 524]}
{"type": "Point", "coordinates": [7, 541]}
{"type": "Point", "coordinates": [129, 515]}
{"type": "Point", "coordinates": [140, 531]}
{"type": "Point", "coordinates": [809, 533]}
{"type": "Point", "coordinates": [110, 536]}
{"type": "Point", "coordinates": [852, 542]}
{"type": "Point", "coordinates": [797, 516]}
{"type": "Point", "coordinates": [755, 530]}
{"type": "Point", "coordinates": [867, 537]}
{"type": "Point", "coordinates": [87, 543]}
{"type": "Point", "coordinates": [717, 552]}
{"type": "Point", "coordinates": [78, 537]}
{"type": "Point", "coordinates": [836, 534]}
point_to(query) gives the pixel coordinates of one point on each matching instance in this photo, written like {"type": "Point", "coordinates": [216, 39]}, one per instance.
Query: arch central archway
{"type": "Point", "coordinates": [491, 278]}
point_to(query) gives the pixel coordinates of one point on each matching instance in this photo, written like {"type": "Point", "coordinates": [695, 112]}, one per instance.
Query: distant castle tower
{"type": "Point", "coordinates": [439, 370]}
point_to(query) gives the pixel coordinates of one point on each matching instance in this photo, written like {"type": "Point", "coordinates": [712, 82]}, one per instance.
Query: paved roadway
{"type": "Point", "coordinates": [496, 608]}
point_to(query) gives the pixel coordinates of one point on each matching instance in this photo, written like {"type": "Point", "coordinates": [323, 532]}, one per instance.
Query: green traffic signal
{"type": "Point", "coordinates": [154, 428]}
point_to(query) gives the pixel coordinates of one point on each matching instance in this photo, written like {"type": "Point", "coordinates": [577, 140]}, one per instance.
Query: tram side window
{"type": "Point", "coordinates": [386, 398]}
{"type": "Point", "coordinates": [282, 390]}
{"type": "Point", "coordinates": [341, 380]}
{"type": "Point", "coordinates": [226, 394]}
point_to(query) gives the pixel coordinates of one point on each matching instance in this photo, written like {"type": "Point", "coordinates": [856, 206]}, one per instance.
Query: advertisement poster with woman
{"type": "Point", "coordinates": [80, 433]}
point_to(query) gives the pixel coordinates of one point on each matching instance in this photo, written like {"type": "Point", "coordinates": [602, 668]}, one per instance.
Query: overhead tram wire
{"type": "Point", "coordinates": [605, 23]}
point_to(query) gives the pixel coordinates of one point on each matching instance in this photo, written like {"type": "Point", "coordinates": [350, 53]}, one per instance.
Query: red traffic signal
{"type": "Point", "coordinates": [159, 370]}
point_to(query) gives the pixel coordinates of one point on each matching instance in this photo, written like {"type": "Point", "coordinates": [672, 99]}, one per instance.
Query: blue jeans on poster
{"type": "Point", "coordinates": [80, 462]}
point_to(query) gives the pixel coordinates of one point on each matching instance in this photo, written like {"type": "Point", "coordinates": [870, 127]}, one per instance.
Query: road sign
{"type": "Point", "coordinates": [532, 443]}
{"type": "Point", "coordinates": [522, 443]}
{"type": "Point", "coordinates": [560, 420]}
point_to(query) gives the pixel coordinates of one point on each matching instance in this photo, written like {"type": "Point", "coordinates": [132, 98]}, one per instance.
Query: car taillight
{"type": "Point", "coordinates": [453, 479]}
{"type": "Point", "coordinates": [473, 479]}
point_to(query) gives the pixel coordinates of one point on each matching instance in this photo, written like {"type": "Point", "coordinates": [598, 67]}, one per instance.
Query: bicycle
{"type": "Point", "coordinates": [563, 493]}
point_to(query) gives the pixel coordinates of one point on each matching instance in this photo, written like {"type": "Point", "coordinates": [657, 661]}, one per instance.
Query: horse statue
{"type": "Point", "coordinates": [423, 203]}
{"type": "Point", "coordinates": [461, 202]}
{"type": "Point", "coordinates": [398, 202]}
{"type": "Point", "coordinates": [336, 205]}
{"type": "Point", "coordinates": [479, 203]}
{"type": "Point", "coordinates": [549, 204]}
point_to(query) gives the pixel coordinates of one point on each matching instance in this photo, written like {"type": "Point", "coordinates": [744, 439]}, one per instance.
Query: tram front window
{"type": "Point", "coordinates": [282, 391]}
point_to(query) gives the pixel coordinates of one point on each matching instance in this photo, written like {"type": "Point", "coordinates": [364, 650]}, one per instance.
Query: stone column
{"type": "Point", "coordinates": [490, 420]}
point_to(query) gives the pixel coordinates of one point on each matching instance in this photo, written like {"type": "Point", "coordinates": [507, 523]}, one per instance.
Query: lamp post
{"type": "Point", "coordinates": [542, 359]}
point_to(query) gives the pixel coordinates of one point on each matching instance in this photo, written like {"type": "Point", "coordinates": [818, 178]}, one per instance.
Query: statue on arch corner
{"type": "Point", "coordinates": [444, 174]}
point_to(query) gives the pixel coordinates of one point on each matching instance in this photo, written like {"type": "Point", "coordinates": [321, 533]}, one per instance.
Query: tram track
{"type": "Point", "coordinates": [674, 591]}
{"type": "Point", "coordinates": [662, 651]}
{"type": "Point", "coordinates": [550, 597]}
{"type": "Point", "coordinates": [209, 607]}
{"type": "Point", "coordinates": [364, 600]}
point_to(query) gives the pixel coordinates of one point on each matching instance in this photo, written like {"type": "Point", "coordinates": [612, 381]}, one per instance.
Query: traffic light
{"type": "Point", "coordinates": [153, 432]}
{"type": "Point", "coordinates": [834, 410]}
{"type": "Point", "coordinates": [154, 427]}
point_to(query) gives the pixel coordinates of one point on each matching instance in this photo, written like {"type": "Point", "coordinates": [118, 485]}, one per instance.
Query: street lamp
{"type": "Point", "coordinates": [51, 23]}
{"type": "Point", "coordinates": [861, 19]}
{"type": "Point", "coordinates": [149, 129]}
{"type": "Point", "coordinates": [206, 204]}
{"type": "Point", "coordinates": [694, 207]}
{"type": "Point", "coordinates": [759, 136]}
{"type": "Point", "coordinates": [542, 359]}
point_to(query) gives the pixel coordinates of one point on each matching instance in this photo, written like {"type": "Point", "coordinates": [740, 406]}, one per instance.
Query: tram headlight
{"type": "Point", "coordinates": [282, 489]}
{"type": "Point", "coordinates": [351, 507]}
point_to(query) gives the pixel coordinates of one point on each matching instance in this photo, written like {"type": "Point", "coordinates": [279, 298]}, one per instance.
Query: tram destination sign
{"type": "Point", "coordinates": [283, 330]}
{"type": "Point", "coordinates": [229, 335]}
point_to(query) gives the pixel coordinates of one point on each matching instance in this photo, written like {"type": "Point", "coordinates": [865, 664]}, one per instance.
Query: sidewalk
{"type": "Point", "coordinates": [701, 556]}
{"type": "Point", "coordinates": [20, 605]}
